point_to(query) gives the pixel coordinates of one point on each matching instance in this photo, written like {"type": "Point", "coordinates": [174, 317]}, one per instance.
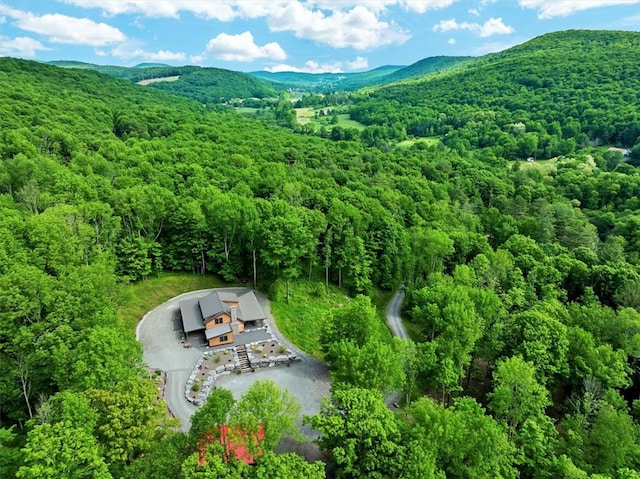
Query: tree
{"type": "Point", "coordinates": [213, 413]}
{"type": "Point", "coordinates": [286, 240]}
{"type": "Point", "coordinates": [163, 460]}
{"type": "Point", "coordinates": [287, 465]}
{"type": "Point", "coordinates": [268, 408]}
{"type": "Point", "coordinates": [130, 420]}
{"type": "Point", "coordinates": [10, 456]}
{"type": "Point", "coordinates": [61, 451]}
{"type": "Point", "coordinates": [451, 326]}
{"type": "Point", "coordinates": [465, 442]}
{"type": "Point", "coordinates": [517, 395]}
{"type": "Point", "coordinates": [360, 435]}
{"type": "Point", "coordinates": [357, 321]}
{"type": "Point", "coordinates": [104, 358]}
{"type": "Point", "coordinates": [541, 339]}
{"type": "Point", "coordinates": [372, 365]}
{"type": "Point", "coordinates": [213, 466]}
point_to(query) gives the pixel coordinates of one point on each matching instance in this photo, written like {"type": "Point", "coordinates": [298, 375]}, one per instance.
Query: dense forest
{"type": "Point", "coordinates": [547, 97]}
{"type": "Point", "coordinates": [205, 85]}
{"type": "Point", "coordinates": [522, 279]}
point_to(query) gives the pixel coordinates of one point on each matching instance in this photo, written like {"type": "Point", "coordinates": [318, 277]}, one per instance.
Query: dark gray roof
{"type": "Point", "coordinates": [211, 305]}
{"type": "Point", "coordinates": [228, 296]}
{"type": "Point", "coordinates": [191, 315]}
{"type": "Point", "coordinates": [218, 331]}
{"type": "Point", "coordinates": [249, 308]}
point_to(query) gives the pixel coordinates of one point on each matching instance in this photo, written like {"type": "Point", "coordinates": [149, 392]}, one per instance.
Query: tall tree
{"type": "Point", "coordinates": [360, 435]}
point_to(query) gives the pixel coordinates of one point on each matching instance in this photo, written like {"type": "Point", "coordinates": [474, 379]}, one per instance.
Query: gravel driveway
{"type": "Point", "coordinates": [307, 380]}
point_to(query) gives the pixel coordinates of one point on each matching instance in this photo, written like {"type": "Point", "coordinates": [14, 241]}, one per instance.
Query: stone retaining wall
{"type": "Point", "coordinates": [207, 384]}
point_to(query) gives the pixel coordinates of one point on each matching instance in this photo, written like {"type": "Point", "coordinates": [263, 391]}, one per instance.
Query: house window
{"type": "Point", "coordinates": [218, 321]}
{"type": "Point", "coordinates": [224, 338]}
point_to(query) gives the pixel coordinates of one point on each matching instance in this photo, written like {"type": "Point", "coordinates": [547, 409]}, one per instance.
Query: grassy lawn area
{"type": "Point", "coordinates": [307, 116]}
{"type": "Point", "coordinates": [302, 318]}
{"type": "Point", "coordinates": [246, 110]}
{"type": "Point", "coordinates": [345, 122]}
{"type": "Point", "coordinates": [158, 80]}
{"type": "Point", "coordinates": [137, 299]}
{"type": "Point", "coordinates": [429, 141]}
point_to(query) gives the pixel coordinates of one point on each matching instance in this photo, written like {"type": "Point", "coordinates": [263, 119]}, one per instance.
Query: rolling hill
{"type": "Point", "coordinates": [205, 85]}
{"type": "Point", "coordinates": [542, 98]}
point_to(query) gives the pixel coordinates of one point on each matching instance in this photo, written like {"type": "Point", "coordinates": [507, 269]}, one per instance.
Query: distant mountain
{"type": "Point", "coordinates": [151, 65]}
{"type": "Point", "coordinates": [322, 82]}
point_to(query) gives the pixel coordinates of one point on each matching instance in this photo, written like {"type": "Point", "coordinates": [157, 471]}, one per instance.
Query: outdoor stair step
{"type": "Point", "coordinates": [243, 358]}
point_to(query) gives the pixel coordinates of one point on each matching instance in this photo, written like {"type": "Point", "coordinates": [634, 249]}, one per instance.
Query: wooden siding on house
{"type": "Point", "coordinates": [211, 322]}
{"type": "Point", "coordinates": [226, 338]}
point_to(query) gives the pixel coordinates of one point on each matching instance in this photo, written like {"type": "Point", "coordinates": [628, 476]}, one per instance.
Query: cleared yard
{"type": "Point", "coordinates": [158, 80]}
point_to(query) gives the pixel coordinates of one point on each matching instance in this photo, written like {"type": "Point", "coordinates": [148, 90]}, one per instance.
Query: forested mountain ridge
{"type": "Point", "coordinates": [330, 82]}
{"type": "Point", "coordinates": [205, 85]}
{"type": "Point", "coordinates": [543, 98]}
{"type": "Point", "coordinates": [522, 285]}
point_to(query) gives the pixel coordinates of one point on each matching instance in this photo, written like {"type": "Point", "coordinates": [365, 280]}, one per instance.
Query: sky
{"type": "Point", "coordinates": [305, 35]}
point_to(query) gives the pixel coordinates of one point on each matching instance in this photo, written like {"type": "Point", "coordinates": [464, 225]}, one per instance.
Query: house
{"type": "Point", "coordinates": [221, 315]}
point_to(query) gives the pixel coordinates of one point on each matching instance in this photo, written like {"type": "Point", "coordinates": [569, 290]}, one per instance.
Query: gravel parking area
{"type": "Point", "coordinates": [307, 380]}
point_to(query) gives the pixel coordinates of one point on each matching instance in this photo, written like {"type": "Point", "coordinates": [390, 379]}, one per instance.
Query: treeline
{"type": "Point", "coordinates": [545, 98]}
{"type": "Point", "coordinates": [517, 280]}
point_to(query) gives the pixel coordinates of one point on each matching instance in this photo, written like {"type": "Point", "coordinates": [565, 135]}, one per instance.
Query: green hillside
{"type": "Point", "coordinates": [521, 280]}
{"type": "Point", "coordinates": [544, 98]}
{"type": "Point", "coordinates": [424, 67]}
{"type": "Point", "coordinates": [205, 85]}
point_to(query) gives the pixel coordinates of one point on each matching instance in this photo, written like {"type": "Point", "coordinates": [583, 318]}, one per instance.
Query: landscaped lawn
{"type": "Point", "coordinates": [141, 297]}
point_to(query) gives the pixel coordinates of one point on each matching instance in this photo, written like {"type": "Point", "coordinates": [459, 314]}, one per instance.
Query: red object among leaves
{"type": "Point", "coordinates": [239, 450]}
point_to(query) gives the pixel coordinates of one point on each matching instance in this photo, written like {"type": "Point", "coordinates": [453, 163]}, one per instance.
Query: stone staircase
{"type": "Point", "coordinates": [243, 357]}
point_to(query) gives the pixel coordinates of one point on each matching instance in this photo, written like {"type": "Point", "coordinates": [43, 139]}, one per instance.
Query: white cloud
{"type": "Point", "coordinates": [359, 28]}
{"type": "Point", "coordinates": [131, 50]}
{"type": "Point", "coordinates": [242, 48]}
{"type": "Point", "coordinates": [560, 8]}
{"type": "Point", "coordinates": [3, 20]}
{"type": "Point", "coordinates": [213, 10]}
{"type": "Point", "coordinates": [451, 41]}
{"type": "Point", "coordinates": [227, 10]}
{"type": "Point", "coordinates": [312, 66]}
{"type": "Point", "coordinates": [20, 46]}
{"type": "Point", "coordinates": [360, 63]}
{"type": "Point", "coordinates": [493, 26]}
{"type": "Point", "coordinates": [448, 25]}
{"type": "Point", "coordinates": [473, 11]}
{"type": "Point", "coordinates": [196, 59]}
{"type": "Point", "coordinates": [64, 29]}
{"type": "Point", "coordinates": [337, 23]}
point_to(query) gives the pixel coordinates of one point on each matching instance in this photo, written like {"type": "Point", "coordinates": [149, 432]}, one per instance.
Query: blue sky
{"type": "Point", "coordinates": [304, 35]}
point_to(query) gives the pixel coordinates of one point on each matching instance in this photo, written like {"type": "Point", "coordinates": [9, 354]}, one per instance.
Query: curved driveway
{"type": "Point", "coordinates": [308, 380]}
{"type": "Point", "coordinates": [393, 315]}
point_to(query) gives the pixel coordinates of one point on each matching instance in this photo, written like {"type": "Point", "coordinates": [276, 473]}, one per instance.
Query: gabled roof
{"type": "Point", "coordinates": [191, 315]}
{"type": "Point", "coordinates": [228, 297]}
{"type": "Point", "coordinates": [218, 331]}
{"type": "Point", "coordinates": [249, 308]}
{"type": "Point", "coordinates": [211, 306]}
